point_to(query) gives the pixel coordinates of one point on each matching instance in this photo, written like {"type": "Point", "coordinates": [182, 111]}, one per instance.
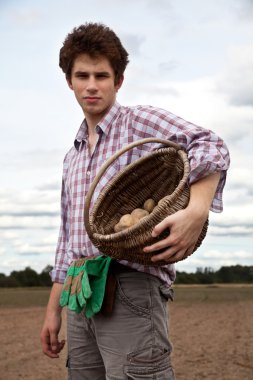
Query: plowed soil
{"type": "Point", "coordinates": [211, 333]}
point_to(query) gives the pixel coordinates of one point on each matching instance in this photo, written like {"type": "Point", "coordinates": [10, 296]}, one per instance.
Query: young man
{"type": "Point", "coordinates": [131, 343]}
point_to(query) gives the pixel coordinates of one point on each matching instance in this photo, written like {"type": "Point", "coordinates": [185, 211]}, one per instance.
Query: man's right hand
{"type": "Point", "coordinates": [51, 346]}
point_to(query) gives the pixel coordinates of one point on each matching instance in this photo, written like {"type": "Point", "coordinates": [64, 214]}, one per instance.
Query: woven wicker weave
{"type": "Point", "coordinates": [161, 174]}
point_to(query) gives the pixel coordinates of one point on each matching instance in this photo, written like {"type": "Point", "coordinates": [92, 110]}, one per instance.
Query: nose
{"type": "Point", "coordinates": [91, 84]}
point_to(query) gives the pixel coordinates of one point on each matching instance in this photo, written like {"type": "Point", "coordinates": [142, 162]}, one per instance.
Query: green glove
{"type": "Point", "coordinates": [85, 285]}
{"type": "Point", "coordinates": [97, 271]}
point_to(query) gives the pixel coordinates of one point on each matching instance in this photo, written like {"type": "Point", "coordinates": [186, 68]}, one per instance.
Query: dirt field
{"type": "Point", "coordinates": [211, 331]}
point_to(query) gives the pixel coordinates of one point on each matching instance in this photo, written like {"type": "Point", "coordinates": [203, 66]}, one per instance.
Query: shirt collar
{"type": "Point", "coordinates": [104, 125]}
{"type": "Point", "coordinates": [82, 135]}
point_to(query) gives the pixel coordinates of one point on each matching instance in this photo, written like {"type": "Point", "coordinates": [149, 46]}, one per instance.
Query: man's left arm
{"type": "Point", "coordinates": [186, 225]}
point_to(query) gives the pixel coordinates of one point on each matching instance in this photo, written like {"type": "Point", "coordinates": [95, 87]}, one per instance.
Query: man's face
{"type": "Point", "coordinates": [92, 80]}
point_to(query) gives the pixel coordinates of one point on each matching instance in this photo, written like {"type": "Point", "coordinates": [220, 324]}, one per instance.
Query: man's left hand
{"type": "Point", "coordinates": [185, 227]}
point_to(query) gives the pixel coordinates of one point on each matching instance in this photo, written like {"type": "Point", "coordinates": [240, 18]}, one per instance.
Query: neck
{"type": "Point", "coordinates": [92, 134]}
{"type": "Point", "coordinates": [92, 123]}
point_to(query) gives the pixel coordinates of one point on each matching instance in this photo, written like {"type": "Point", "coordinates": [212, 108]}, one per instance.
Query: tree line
{"type": "Point", "coordinates": [226, 274]}
{"type": "Point", "coordinates": [26, 277]}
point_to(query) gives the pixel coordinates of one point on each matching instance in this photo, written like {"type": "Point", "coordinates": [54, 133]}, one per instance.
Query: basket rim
{"type": "Point", "coordinates": [152, 217]}
{"type": "Point", "coordinates": [140, 160]}
{"type": "Point", "coordinates": [108, 163]}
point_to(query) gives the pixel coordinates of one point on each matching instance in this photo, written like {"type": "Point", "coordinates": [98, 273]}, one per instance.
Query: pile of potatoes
{"type": "Point", "coordinates": [136, 215]}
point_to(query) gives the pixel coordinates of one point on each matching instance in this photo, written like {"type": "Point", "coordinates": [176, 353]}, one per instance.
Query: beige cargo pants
{"type": "Point", "coordinates": [131, 343]}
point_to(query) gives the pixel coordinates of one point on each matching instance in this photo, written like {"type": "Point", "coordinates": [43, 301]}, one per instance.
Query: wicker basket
{"type": "Point", "coordinates": [161, 174]}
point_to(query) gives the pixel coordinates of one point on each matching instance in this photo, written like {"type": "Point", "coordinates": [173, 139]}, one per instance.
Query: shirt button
{"type": "Point", "coordinates": [88, 173]}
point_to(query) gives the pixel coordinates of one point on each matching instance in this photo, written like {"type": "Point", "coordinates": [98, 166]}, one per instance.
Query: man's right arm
{"type": "Point", "coordinates": [49, 336]}
{"type": "Point", "coordinates": [51, 345]}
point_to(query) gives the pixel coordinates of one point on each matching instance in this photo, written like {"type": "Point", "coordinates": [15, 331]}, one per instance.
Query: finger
{"type": "Point", "coordinates": [172, 256]}
{"type": "Point", "coordinates": [165, 243]}
{"type": "Point", "coordinates": [159, 228]}
{"type": "Point", "coordinates": [165, 255]}
{"type": "Point", "coordinates": [54, 353]}
{"type": "Point", "coordinates": [189, 251]}
{"type": "Point", "coordinates": [46, 347]}
{"type": "Point", "coordinates": [177, 257]}
{"type": "Point", "coordinates": [61, 345]}
{"type": "Point", "coordinates": [54, 342]}
{"type": "Point", "coordinates": [51, 354]}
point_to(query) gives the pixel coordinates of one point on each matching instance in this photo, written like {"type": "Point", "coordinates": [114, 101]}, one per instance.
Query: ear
{"type": "Point", "coordinates": [69, 83]}
{"type": "Point", "coordinates": [119, 84]}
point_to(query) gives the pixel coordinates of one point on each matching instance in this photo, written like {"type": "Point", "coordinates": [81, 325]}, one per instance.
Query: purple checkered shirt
{"type": "Point", "coordinates": [207, 153]}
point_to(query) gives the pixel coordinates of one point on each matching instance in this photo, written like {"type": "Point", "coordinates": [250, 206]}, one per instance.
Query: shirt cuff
{"type": "Point", "coordinates": [58, 275]}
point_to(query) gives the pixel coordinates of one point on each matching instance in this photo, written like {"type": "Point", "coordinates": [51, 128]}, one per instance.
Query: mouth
{"type": "Point", "coordinates": [91, 99]}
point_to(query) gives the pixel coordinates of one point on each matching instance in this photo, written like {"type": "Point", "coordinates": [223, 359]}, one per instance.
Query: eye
{"type": "Point", "coordinates": [102, 76]}
{"type": "Point", "coordinates": [81, 75]}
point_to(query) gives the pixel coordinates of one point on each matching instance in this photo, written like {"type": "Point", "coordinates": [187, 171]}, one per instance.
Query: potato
{"type": "Point", "coordinates": [149, 205]}
{"type": "Point", "coordinates": [126, 221]}
{"type": "Point", "coordinates": [138, 214]}
{"type": "Point", "coordinates": [117, 227]}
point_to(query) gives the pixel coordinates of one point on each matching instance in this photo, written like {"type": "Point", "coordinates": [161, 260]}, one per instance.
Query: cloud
{"type": "Point", "coordinates": [31, 226]}
{"type": "Point", "coordinates": [215, 259]}
{"type": "Point", "coordinates": [243, 9]}
{"type": "Point", "coordinates": [234, 231]}
{"type": "Point", "coordinates": [158, 4]}
{"type": "Point", "coordinates": [21, 262]}
{"type": "Point", "coordinates": [241, 178]}
{"type": "Point", "coordinates": [29, 222]}
{"type": "Point", "coordinates": [236, 219]}
{"type": "Point", "coordinates": [49, 186]}
{"type": "Point", "coordinates": [33, 253]}
{"type": "Point", "coordinates": [33, 214]}
{"type": "Point", "coordinates": [237, 83]}
{"type": "Point", "coordinates": [29, 209]}
{"type": "Point", "coordinates": [27, 247]}
{"type": "Point", "coordinates": [231, 256]}
{"type": "Point", "coordinates": [25, 16]}
{"type": "Point", "coordinates": [168, 65]}
{"type": "Point", "coordinates": [28, 201]}
{"type": "Point", "coordinates": [133, 43]}
{"type": "Point", "coordinates": [241, 197]}
{"type": "Point", "coordinates": [143, 87]}
{"type": "Point", "coordinates": [34, 248]}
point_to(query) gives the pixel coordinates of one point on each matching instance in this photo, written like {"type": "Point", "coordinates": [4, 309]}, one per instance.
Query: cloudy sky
{"type": "Point", "coordinates": [191, 57]}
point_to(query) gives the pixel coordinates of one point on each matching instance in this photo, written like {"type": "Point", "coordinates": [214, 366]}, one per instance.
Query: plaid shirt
{"type": "Point", "coordinates": [207, 153]}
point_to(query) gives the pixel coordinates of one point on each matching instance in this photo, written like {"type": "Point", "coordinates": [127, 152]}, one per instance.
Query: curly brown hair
{"type": "Point", "coordinates": [94, 39]}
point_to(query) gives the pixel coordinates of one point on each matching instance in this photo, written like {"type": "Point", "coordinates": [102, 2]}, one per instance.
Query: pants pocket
{"type": "Point", "coordinates": [151, 362]}
{"type": "Point", "coordinates": [166, 293]}
{"type": "Point", "coordinates": [133, 290]}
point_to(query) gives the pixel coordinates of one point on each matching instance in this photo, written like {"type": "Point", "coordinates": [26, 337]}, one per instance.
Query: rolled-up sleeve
{"type": "Point", "coordinates": [209, 154]}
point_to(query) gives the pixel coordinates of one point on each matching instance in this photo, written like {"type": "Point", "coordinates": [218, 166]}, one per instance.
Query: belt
{"type": "Point", "coordinates": [111, 286]}
{"type": "Point", "coordinates": [116, 267]}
